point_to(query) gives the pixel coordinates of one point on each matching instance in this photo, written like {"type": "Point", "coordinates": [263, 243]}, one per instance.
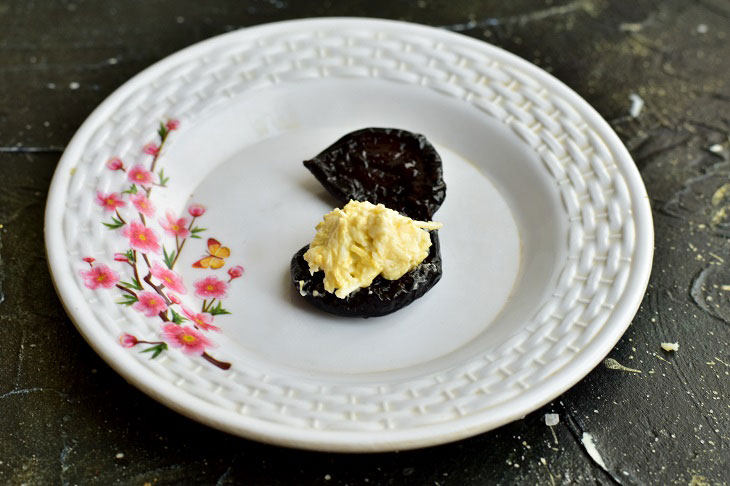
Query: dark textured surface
{"type": "Point", "coordinates": [67, 418]}
{"type": "Point", "coordinates": [382, 297]}
{"type": "Point", "coordinates": [396, 168]}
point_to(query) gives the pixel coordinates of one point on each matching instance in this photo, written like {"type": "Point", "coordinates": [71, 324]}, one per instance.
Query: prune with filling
{"type": "Point", "coordinates": [381, 297]}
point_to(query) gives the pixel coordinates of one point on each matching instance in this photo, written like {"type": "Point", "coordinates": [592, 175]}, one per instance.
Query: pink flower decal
{"type": "Point", "coordinates": [170, 279]}
{"type": "Point", "coordinates": [100, 276]}
{"type": "Point", "coordinates": [121, 257]}
{"type": "Point", "coordinates": [115, 164]}
{"type": "Point", "coordinates": [141, 237]}
{"type": "Point", "coordinates": [143, 204]}
{"type": "Point", "coordinates": [151, 149]}
{"type": "Point", "coordinates": [235, 272]}
{"type": "Point", "coordinates": [128, 341]}
{"type": "Point", "coordinates": [187, 338]}
{"type": "Point", "coordinates": [139, 175]}
{"type": "Point", "coordinates": [210, 287]}
{"type": "Point", "coordinates": [203, 320]}
{"type": "Point", "coordinates": [110, 202]}
{"type": "Point", "coordinates": [175, 226]}
{"type": "Point", "coordinates": [159, 292]}
{"type": "Point", "coordinates": [150, 303]}
{"type": "Point", "coordinates": [196, 210]}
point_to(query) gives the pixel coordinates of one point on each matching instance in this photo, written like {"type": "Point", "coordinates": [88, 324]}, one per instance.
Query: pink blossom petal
{"type": "Point", "coordinates": [143, 204]}
{"type": "Point", "coordinates": [169, 278]}
{"type": "Point", "coordinates": [150, 303]}
{"type": "Point", "coordinates": [100, 275]}
{"type": "Point", "coordinates": [141, 237]}
{"type": "Point", "coordinates": [196, 210]}
{"type": "Point", "coordinates": [110, 202]}
{"type": "Point", "coordinates": [175, 226]}
{"type": "Point", "coordinates": [115, 163]}
{"type": "Point", "coordinates": [235, 272]}
{"type": "Point", "coordinates": [128, 340]}
{"type": "Point", "coordinates": [140, 175]}
{"type": "Point", "coordinates": [151, 149]}
{"type": "Point", "coordinates": [187, 338]}
{"type": "Point", "coordinates": [211, 287]}
{"type": "Point", "coordinates": [203, 320]}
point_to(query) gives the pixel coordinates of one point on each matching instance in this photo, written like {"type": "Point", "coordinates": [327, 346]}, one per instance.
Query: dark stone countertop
{"type": "Point", "coordinates": [67, 418]}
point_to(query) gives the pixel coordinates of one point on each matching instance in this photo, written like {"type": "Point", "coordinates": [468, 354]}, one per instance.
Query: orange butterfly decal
{"type": "Point", "coordinates": [216, 255]}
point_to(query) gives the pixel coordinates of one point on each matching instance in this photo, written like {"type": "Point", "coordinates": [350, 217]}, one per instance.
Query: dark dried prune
{"type": "Point", "coordinates": [382, 297]}
{"type": "Point", "coordinates": [396, 168]}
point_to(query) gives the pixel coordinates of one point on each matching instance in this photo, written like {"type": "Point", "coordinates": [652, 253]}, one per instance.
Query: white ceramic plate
{"type": "Point", "coordinates": [547, 238]}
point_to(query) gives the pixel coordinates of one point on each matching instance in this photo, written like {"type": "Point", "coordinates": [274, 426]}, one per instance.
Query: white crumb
{"type": "Point", "coordinates": [552, 419]}
{"type": "Point", "coordinates": [637, 104]}
{"type": "Point", "coordinates": [670, 346]}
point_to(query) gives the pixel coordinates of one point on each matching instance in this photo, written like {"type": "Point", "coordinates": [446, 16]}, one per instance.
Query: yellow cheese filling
{"type": "Point", "coordinates": [355, 244]}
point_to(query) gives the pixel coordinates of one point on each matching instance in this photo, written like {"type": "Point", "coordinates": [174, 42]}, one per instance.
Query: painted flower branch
{"type": "Point", "coordinates": [156, 295]}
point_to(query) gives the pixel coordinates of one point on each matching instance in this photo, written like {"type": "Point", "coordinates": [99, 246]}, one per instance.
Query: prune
{"type": "Point", "coordinates": [396, 168]}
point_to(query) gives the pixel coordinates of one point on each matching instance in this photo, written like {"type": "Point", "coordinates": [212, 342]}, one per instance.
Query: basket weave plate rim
{"type": "Point", "coordinates": [530, 397]}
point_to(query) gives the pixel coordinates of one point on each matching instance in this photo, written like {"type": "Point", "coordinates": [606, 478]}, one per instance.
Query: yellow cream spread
{"type": "Point", "coordinates": [355, 244]}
